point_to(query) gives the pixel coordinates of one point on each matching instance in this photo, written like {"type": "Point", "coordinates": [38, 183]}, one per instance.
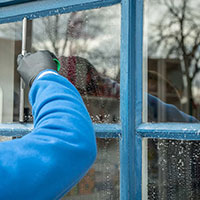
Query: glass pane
{"type": "Point", "coordinates": [102, 181]}
{"type": "Point", "coordinates": [88, 47]}
{"type": "Point", "coordinates": [173, 60]}
{"type": "Point", "coordinates": [10, 47]}
{"type": "Point", "coordinates": [173, 169]}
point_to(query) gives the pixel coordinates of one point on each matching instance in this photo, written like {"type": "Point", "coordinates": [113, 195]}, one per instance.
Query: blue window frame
{"type": "Point", "coordinates": [11, 2]}
{"type": "Point", "coordinates": [132, 130]}
{"type": "Point", "coordinates": [131, 81]}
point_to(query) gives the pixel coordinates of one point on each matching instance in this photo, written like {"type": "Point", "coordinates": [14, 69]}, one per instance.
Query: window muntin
{"type": "Point", "coordinates": [11, 2]}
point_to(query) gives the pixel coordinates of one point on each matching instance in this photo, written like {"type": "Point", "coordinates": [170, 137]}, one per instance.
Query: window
{"type": "Point", "coordinates": [155, 150]}
{"type": "Point", "coordinates": [173, 76]}
{"type": "Point", "coordinates": [88, 47]}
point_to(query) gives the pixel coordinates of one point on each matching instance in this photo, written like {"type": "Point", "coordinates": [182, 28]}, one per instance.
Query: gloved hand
{"type": "Point", "coordinates": [30, 65]}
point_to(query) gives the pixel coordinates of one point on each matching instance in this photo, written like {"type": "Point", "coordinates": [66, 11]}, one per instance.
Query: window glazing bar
{"type": "Point", "coordinates": [177, 131]}
{"type": "Point", "coordinates": [15, 130]}
{"type": "Point", "coordinates": [131, 99]}
{"type": "Point", "coordinates": [42, 8]}
{"type": "Point", "coordinates": [101, 130]}
{"type": "Point", "coordinates": [107, 130]}
{"type": "Point", "coordinates": [11, 2]}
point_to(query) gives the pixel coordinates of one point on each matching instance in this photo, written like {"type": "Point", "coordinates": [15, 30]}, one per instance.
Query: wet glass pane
{"type": "Point", "coordinates": [173, 35]}
{"type": "Point", "coordinates": [102, 180]}
{"type": "Point", "coordinates": [10, 47]}
{"type": "Point", "coordinates": [87, 43]}
{"type": "Point", "coordinates": [173, 169]}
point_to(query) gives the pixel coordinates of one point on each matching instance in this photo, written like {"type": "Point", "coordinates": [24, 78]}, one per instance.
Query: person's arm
{"type": "Point", "coordinates": [170, 113]}
{"type": "Point", "coordinates": [49, 161]}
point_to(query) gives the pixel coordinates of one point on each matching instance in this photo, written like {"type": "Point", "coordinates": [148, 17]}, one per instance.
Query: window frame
{"type": "Point", "coordinates": [11, 2]}
{"type": "Point", "coordinates": [131, 130]}
{"type": "Point", "coordinates": [131, 81]}
{"type": "Point", "coordinates": [41, 8]}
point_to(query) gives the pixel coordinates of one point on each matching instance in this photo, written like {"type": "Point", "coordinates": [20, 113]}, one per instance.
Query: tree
{"type": "Point", "coordinates": [86, 33]}
{"type": "Point", "coordinates": [177, 35]}
{"type": "Point", "coordinates": [58, 31]}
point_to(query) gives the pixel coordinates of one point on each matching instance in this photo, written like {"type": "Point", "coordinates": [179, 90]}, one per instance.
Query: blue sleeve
{"type": "Point", "coordinates": [169, 113]}
{"type": "Point", "coordinates": [49, 161]}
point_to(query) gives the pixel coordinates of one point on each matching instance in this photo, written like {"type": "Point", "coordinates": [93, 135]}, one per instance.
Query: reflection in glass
{"type": "Point", "coordinates": [173, 169]}
{"type": "Point", "coordinates": [174, 58]}
{"type": "Point", "coordinates": [10, 47]}
{"type": "Point", "coordinates": [102, 180]}
{"type": "Point", "coordinates": [88, 47]}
